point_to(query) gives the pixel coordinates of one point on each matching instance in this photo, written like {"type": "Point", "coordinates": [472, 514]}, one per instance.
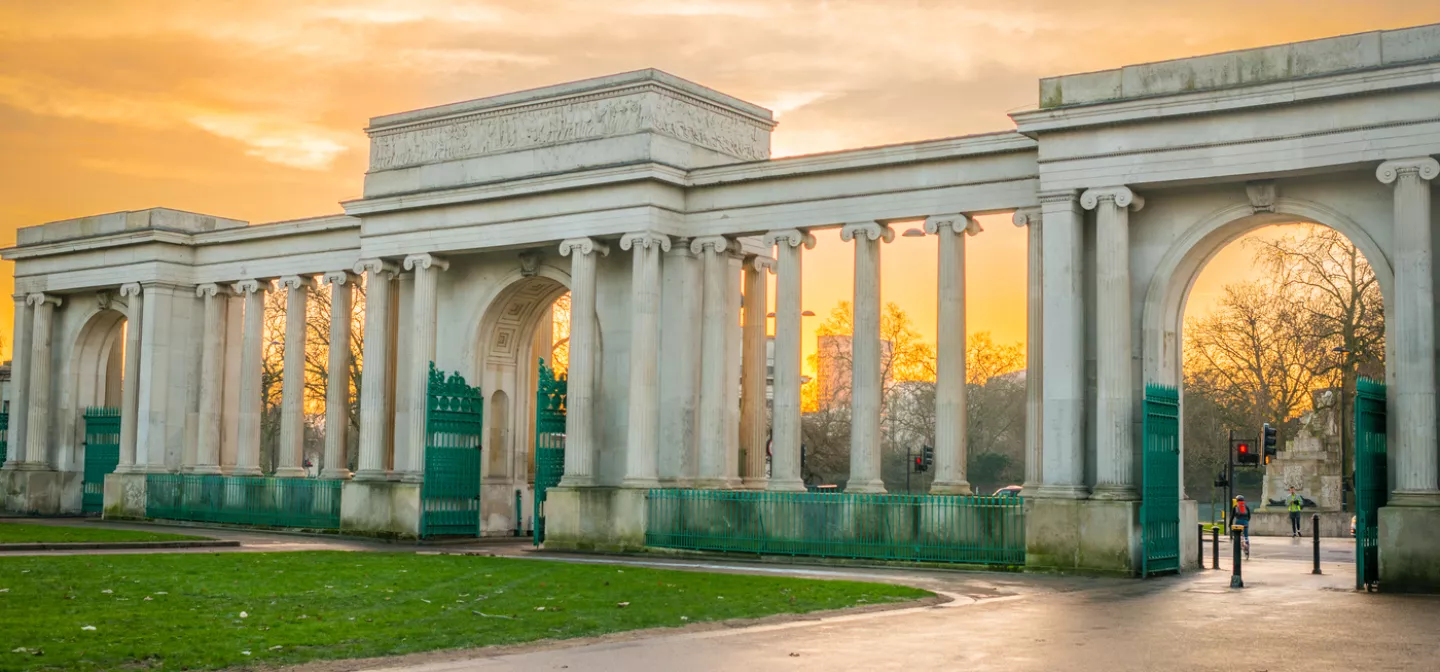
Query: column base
{"type": "Point", "coordinates": [125, 496]}
{"type": "Point", "coordinates": [641, 483]}
{"type": "Point", "coordinates": [154, 469]}
{"type": "Point", "coordinates": [951, 488]}
{"type": "Point", "coordinates": [1428, 498]}
{"type": "Point", "coordinates": [412, 477]}
{"type": "Point", "coordinates": [786, 485]}
{"type": "Point", "coordinates": [44, 492]}
{"type": "Point", "coordinates": [380, 509]}
{"type": "Point", "coordinates": [207, 469]}
{"type": "Point", "coordinates": [336, 474]}
{"type": "Point", "coordinates": [595, 519]}
{"type": "Point", "coordinates": [26, 466]}
{"type": "Point", "coordinates": [290, 472]}
{"type": "Point", "coordinates": [246, 471]}
{"type": "Point", "coordinates": [1115, 493]}
{"type": "Point", "coordinates": [1409, 548]}
{"type": "Point", "coordinates": [1051, 491]}
{"type": "Point", "coordinates": [569, 481]}
{"type": "Point", "coordinates": [760, 483]}
{"type": "Point", "coordinates": [370, 475]}
{"type": "Point", "coordinates": [717, 483]}
{"type": "Point", "coordinates": [1085, 536]}
{"type": "Point", "coordinates": [873, 486]}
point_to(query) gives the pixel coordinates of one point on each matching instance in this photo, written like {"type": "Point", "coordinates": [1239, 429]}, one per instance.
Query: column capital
{"type": "Point", "coordinates": [210, 289]}
{"type": "Point", "coordinates": [39, 298]}
{"type": "Point", "coordinates": [791, 237]}
{"type": "Point", "coordinates": [166, 285]}
{"type": "Point", "coordinates": [717, 244]}
{"type": "Point", "coordinates": [760, 263]}
{"type": "Point", "coordinates": [1426, 168]}
{"type": "Point", "coordinates": [583, 246]}
{"type": "Point", "coordinates": [296, 282]}
{"type": "Point", "coordinates": [958, 223]}
{"type": "Point", "coordinates": [1024, 217]}
{"type": "Point", "coordinates": [871, 230]}
{"type": "Point", "coordinates": [252, 286]}
{"type": "Point", "coordinates": [424, 261]}
{"type": "Point", "coordinates": [375, 266]}
{"type": "Point", "coordinates": [645, 239]}
{"type": "Point", "coordinates": [130, 289]}
{"type": "Point", "coordinates": [1122, 196]}
{"type": "Point", "coordinates": [338, 278]}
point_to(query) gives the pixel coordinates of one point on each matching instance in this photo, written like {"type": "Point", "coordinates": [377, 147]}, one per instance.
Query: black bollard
{"type": "Point", "coordinates": [1200, 545]}
{"type": "Point", "coordinates": [1235, 580]}
{"type": "Point", "coordinates": [1215, 547]}
{"type": "Point", "coordinates": [1315, 532]}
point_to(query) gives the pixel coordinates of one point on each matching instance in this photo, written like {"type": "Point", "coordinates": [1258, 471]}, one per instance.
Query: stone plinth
{"type": "Point", "coordinates": [43, 492]}
{"type": "Point", "coordinates": [125, 496]}
{"type": "Point", "coordinates": [1310, 462]}
{"type": "Point", "coordinates": [1410, 549]}
{"type": "Point", "coordinates": [384, 509]}
{"type": "Point", "coordinates": [595, 519]}
{"type": "Point", "coordinates": [1275, 522]}
{"type": "Point", "coordinates": [1085, 536]}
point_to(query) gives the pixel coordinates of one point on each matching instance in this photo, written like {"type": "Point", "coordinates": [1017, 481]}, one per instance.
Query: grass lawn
{"type": "Point", "coordinates": [216, 610]}
{"type": "Point", "coordinates": [22, 533]}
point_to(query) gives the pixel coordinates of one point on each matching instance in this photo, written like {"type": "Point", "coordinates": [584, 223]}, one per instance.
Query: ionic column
{"type": "Point", "coordinates": [1416, 460]}
{"type": "Point", "coordinates": [641, 465]}
{"type": "Point", "coordinates": [714, 252]}
{"type": "Point", "coordinates": [752, 373]}
{"type": "Point", "coordinates": [785, 407]}
{"type": "Point", "coordinates": [1114, 386]}
{"type": "Point", "coordinates": [153, 409]}
{"type": "Point", "coordinates": [950, 379]}
{"type": "Point", "coordinates": [680, 316]}
{"type": "Point", "coordinates": [1064, 347]}
{"type": "Point", "coordinates": [130, 384]}
{"type": "Point", "coordinates": [38, 429]}
{"type": "Point", "coordinates": [212, 377]}
{"type": "Point", "coordinates": [866, 383]}
{"type": "Point", "coordinates": [375, 388]}
{"type": "Point", "coordinates": [337, 386]}
{"type": "Point", "coordinates": [252, 352]}
{"type": "Point", "coordinates": [580, 390]}
{"type": "Point", "coordinates": [1034, 323]}
{"type": "Point", "coordinates": [20, 379]}
{"type": "Point", "coordinates": [427, 269]}
{"type": "Point", "coordinates": [292, 386]}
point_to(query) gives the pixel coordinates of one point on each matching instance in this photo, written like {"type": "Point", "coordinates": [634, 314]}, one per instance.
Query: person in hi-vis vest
{"type": "Point", "coordinates": [1293, 504]}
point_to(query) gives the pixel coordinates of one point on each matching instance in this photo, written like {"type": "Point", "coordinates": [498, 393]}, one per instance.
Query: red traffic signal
{"type": "Point", "coordinates": [1242, 448]}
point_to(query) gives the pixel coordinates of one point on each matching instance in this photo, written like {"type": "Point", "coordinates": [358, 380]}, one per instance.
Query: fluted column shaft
{"type": "Point", "coordinates": [715, 317]}
{"type": "Point", "coordinates": [1063, 347]}
{"type": "Point", "coordinates": [680, 351]}
{"type": "Point", "coordinates": [580, 389]}
{"type": "Point", "coordinates": [20, 381]}
{"type": "Point", "coordinates": [643, 427]}
{"type": "Point", "coordinates": [866, 382]}
{"type": "Point", "coordinates": [375, 388]}
{"type": "Point", "coordinates": [252, 352]}
{"type": "Point", "coordinates": [950, 380]}
{"type": "Point", "coordinates": [1034, 339]}
{"type": "Point", "coordinates": [785, 407]}
{"type": "Point", "coordinates": [1417, 463]}
{"type": "Point", "coordinates": [337, 385]}
{"type": "Point", "coordinates": [130, 382]}
{"type": "Point", "coordinates": [37, 438]}
{"type": "Point", "coordinates": [212, 379]}
{"type": "Point", "coordinates": [1114, 388]}
{"type": "Point", "coordinates": [752, 373]}
{"type": "Point", "coordinates": [422, 354]}
{"type": "Point", "coordinates": [292, 387]}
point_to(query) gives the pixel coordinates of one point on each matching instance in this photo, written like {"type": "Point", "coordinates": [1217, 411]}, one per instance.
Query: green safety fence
{"type": "Point", "coordinates": [977, 530]}
{"type": "Point", "coordinates": [102, 454]}
{"type": "Point", "coordinates": [244, 500]}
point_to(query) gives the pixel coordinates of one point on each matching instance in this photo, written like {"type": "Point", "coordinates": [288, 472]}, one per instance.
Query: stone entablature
{"type": "Point", "coordinates": [161, 219]}
{"type": "Point", "coordinates": [643, 102]}
{"type": "Point", "coordinates": [1246, 67]}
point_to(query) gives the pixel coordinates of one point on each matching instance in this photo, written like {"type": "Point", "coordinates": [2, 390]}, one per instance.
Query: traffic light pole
{"type": "Point", "coordinates": [1229, 478]}
{"type": "Point", "coordinates": [909, 467]}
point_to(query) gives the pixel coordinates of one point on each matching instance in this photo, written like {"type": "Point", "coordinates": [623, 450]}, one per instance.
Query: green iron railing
{"type": "Point", "coordinates": [244, 500]}
{"type": "Point", "coordinates": [550, 396]}
{"type": "Point", "coordinates": [450, 494]}
{"type": "Point", "coordinates": [1371, 479]}
{"type": "Point", "coordinates": [922, 528]}
{"type": "Point", "coordinates": [102, 454]}
{"type": "Point", "coordinates": [1160, 464]}
{"type": "Point", "coordinates": [4, 437]}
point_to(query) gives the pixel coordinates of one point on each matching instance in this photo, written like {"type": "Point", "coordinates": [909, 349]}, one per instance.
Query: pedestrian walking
{"type": "Point", "coordinates": [1240, 514]}
{"type": "Point", "coordinates": [1293, 504]}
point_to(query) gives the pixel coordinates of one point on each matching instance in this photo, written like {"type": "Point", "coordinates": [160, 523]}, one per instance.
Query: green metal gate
{"type": "Point", "coordinates": [102, 453]}
{"type": "Point", "coordinates": [450, 493]}
{"type": "Point", "coordinates": [5, 434]}
{"type": "Point", "coordinates": [1371, 479]}
{"type": "Point", "coordinates": [1160, 506]}
{"type": "Point", "coordinates": [549, 441]}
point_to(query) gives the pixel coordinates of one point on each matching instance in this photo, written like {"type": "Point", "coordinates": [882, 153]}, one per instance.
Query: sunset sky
{"type": "Point", "coordinates": [253, 109]}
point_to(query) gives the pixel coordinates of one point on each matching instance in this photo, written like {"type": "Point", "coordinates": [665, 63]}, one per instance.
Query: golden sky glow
{"type": "Point", "coordinates": [254, 109]}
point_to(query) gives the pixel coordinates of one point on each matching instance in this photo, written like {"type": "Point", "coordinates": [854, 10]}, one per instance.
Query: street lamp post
{"type": "Point", "coordinates": [1345, 427]}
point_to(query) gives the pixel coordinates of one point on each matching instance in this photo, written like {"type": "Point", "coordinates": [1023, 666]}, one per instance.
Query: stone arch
{"type": "Point", "coordinates": [95, 367]}
{"type": "Point", "coordinates": [1163, 314]}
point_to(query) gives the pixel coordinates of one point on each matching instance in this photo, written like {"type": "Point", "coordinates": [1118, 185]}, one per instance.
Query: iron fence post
{"type": "Point", "coordinates": [1200, 544]}
{"type": "Point", "coordinates": [1235, 579]}
{"type": "Point", "coordinates": [1315, 532]}
{"type": "Point", "coordinates": [1215, 547]}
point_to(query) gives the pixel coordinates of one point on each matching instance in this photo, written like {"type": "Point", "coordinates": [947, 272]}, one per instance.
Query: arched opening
{"type": "Point", "coordinates": [1269, 318]}
{"type": "Point", "coordinates": [525, 322]}
{"type": "Point", "coordinates": [95, 382]}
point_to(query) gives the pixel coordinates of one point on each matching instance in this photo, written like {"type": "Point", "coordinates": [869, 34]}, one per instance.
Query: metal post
{"type": "Point", "coordinates": [1315, 532]}
{"type": "Point", "coordinates": [1215, 547]}
{"type": "Point", "coordinates": [517, 512]}
{"type": "Point", "coordinates": [1235, 580]}
{"type": "Point", "coordinates": [909, 466]}
{"type": "Point", "coordinates": [1229, 479]}
{"type": "Point", "coordinates": [1200, 546]}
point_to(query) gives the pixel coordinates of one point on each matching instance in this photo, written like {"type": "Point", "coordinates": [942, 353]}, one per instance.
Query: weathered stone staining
{"type": "Point", "coordinates": [653, 201]}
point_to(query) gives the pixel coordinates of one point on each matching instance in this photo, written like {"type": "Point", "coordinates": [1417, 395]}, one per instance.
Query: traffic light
{"type": "Point", "coordinates": [928, 454]}
{"type": "Point", "coordinates": [1267, 441]}
{"type": "Point", "coordinates": [1244, 454]}
{"type": "Point", "coordinates": [919, 464]}
{"type": "Point", "coordinates": [1221, 481]}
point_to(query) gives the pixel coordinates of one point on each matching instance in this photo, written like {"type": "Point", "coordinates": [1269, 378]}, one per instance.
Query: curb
{"type": "Point", "coordinates": [118, 545]}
